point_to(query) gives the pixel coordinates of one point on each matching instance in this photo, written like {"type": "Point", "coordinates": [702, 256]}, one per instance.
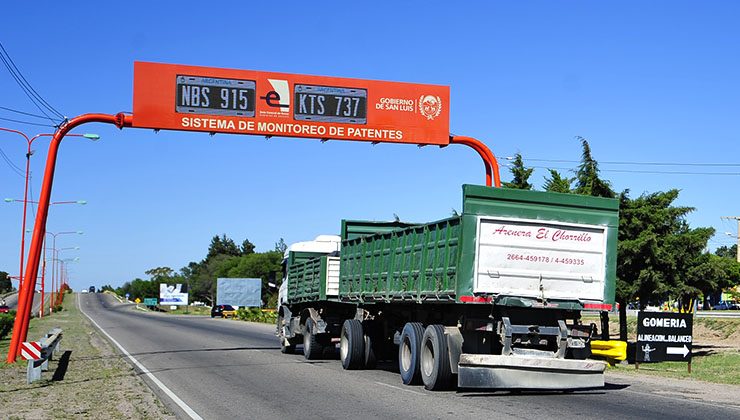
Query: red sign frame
{"type": "Point", "coordinates": [395, 112]}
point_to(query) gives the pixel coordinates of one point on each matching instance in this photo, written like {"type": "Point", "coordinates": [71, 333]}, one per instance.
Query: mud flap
{"type": "Point", "coordinates": [512, 372]}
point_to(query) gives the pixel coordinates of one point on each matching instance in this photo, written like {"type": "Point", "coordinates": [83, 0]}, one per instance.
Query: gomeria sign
{"type": "Point", "coordinates": [664, 336]}
{"type": "Point", "coordinates": [177, 97]}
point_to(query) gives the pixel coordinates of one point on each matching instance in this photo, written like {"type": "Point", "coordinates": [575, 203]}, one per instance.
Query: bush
{"type": "Point", "coordinates": [256, 315]}
{"type": "Point", "coordinates": [6, 324]}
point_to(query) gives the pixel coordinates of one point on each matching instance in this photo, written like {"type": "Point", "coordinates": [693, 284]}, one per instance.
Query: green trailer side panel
{"type": "Point", "coordinates": [296, 257]}
{"type": "Point", "coordinates": [352, 229]}
{"type": "Point", "coordinates": [538, 205]}
{"type": "Point", "coordinates": [436, 261]}
{"type": "Point", "coordinates": [307, 280]}
{"type": "Point", "coordinates": [416, 262]}
{"type": "Point", "coordinates": [466, 272]}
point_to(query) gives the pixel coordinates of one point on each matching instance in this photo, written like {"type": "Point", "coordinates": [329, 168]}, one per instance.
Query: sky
{"type": "Point", "coordinates": [650, 83]}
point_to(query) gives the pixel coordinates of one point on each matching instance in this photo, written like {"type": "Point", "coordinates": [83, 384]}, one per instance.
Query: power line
{"type": "Point", "coordinates": [25, 90]}
{"type": "Point", "coordinates": [51, 108]}
{"type": "Point", "coordinates": [22, 112]}
{"type": "Point", "coordinates": [635, 171]}
{"type": "Point", "coordinates": [10, 163]}
{"type": "Point", "coordinates": [635, 163]}
{"type": "Point", "coordinates": [27, 122]}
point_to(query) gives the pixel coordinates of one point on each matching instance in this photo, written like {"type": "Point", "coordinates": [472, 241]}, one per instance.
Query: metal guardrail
{"type": "Point", "coordinates": [49, 348]}
{"type": "Point", "coordinates": [718, 314]}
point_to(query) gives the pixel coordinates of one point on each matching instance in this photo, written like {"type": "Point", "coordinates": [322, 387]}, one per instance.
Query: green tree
{"type": "Point", "coordinates": [222, 245]}
{"type": "Point", "coordinates": [139, 288]}
{"type": "Point", "coordinates": [709, 274]}
{"type": "Point", "coordinates": [203, 279]}
{"type": "Point", "coordinates": [520, 174]}
{"type": "Point", "coordinates": [247, 247]}
{"type": "Point", "coordinates": [160, 274]}
{"type": "Point", "coordinates": [687, 264]}
{"type": "Point", "coordinates": [6, 285]}
{"type": "Point", "coordinates": [587, 179]}
{"type": "Point", "coordinates": [280, 246]}
{"type": "Point", "coordinates": [727, 252]}
{"type": "Point", "coordinates": [558, 183]}
{"type": "Point", "coordinates": [650, 226]}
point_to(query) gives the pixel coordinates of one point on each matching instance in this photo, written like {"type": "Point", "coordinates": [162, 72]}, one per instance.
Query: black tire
{"type": "Point", "coordinates": [409, 351]}
{"type": "Point", "coordinates": [352, 345]}
{"type": "Point", "coordinates": [372, 340]}
{"type": "Point", "coordinates": [434, 362]}
{"type": "Point", "coordinates": [312, 348]}
{"type": "Point", "coordinates": [290, 347]}
{"type": "Point", "coordinates": [369, 361]}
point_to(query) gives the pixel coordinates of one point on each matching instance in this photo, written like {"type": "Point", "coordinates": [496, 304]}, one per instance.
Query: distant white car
{"type": "Point", "coordinates": [83, 291]}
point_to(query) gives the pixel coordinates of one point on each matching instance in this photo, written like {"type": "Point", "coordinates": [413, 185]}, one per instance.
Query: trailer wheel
{"type": "Point", "coordinates": [288, 348]}
{"type": "Point", "coordinates": [435, 359]}
{"type": "Point", "coordinates": [369, 361]}
{"type": "Point", "coordinates": [312, 349]}
{"type": "Point", "coordinates": [409, 352]}
{"type": "Point", "coordinates": [352, 345]}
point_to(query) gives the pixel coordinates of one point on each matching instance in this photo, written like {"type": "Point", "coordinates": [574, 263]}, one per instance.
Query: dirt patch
{"type": "Point", "coordinates": [97, 382]}
{"type": "Point", "coordinates": [722, 334]}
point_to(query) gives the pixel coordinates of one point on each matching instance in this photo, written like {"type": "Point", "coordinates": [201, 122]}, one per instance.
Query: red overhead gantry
{"type": "Point", "coordinates": [213, 100]}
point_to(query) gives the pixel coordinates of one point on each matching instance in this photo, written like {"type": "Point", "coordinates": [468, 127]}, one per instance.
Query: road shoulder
{"type": "Point", "coordinates": [88, 379]}
{"type": "Point", "coordinates": [684, 389]}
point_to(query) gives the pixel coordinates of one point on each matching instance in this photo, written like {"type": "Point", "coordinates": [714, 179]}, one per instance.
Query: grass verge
{"type": "Point", "coordinates": [190, 310]}
{"type": "Point", "coordinates": [723, 368]}
{"type": "Point", "coordinates": [716, 348]}
{"type": "Point", "coordinates": [88, 379]}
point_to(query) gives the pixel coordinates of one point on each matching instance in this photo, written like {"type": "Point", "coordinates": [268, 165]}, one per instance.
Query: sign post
{"type": "Point", "coordinates": [664, 337]}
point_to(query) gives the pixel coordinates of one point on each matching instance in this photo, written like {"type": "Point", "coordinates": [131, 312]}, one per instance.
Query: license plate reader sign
{"type": "Point", "coordinates": [213, 100]}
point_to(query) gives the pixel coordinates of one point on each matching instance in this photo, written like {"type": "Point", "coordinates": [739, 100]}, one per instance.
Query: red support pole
{"type": "Point", "coordinates": [25, 297]}
{"type": "Point", "coordinates": [489, 160]}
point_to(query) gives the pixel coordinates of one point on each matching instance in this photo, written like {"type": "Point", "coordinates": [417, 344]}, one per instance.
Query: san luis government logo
{"type": "Point", "coordinates": [430, 106]}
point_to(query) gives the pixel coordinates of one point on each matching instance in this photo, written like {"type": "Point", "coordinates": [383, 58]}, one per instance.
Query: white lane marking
{"type": "Point", "coordinates": [711, 404]}
{"type": "Point", "coordinates": [180, 403]}
{"type": "Point", "coordinates": [399, 388]}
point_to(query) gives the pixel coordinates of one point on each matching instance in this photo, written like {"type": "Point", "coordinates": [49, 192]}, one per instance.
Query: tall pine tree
{"type": "Point", "coordinates": [521, 174]}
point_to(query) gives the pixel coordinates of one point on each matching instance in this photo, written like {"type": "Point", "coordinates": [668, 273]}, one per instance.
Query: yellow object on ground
{"type": "Point", "coordinates": [611, 349]}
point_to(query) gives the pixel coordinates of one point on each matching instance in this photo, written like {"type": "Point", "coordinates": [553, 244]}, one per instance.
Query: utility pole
{"type": "Point", "coordinates": [738, 233]}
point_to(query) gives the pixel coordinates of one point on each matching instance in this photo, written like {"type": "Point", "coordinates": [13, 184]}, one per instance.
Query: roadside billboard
{"type": "Point", "coordinates": [239, 292]}
{"type": "Point", "coordinates": [173, 294]}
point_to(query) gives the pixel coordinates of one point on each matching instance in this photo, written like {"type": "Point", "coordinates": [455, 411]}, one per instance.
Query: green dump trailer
{"type": "Point", "coordinates": [491, 298]}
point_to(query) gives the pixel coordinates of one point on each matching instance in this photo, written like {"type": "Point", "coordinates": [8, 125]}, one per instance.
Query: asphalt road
{"type": "Point", "coordinates": [227, 369]}
{"type": "Point", "coordinates": [12, 302]}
